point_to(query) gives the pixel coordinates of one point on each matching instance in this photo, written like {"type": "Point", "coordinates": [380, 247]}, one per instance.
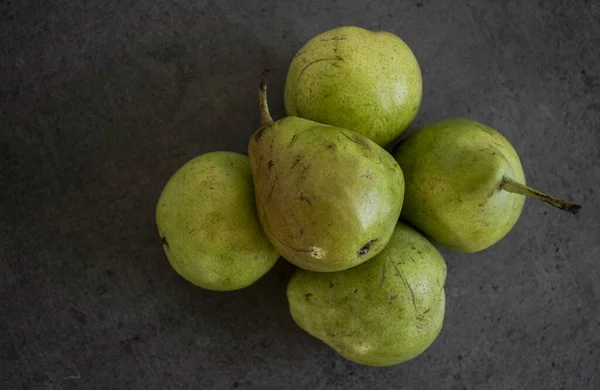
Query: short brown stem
{"type": "Point", "coordinates": [265, 116]}
{"type": "Point", "coordinates": [508, 184]}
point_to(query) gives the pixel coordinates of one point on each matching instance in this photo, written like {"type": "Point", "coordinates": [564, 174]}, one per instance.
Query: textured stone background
{"type": "Point", "coordinates": [101, 101]}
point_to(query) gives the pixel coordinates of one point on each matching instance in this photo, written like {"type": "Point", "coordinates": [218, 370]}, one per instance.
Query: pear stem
{"type": "Point", "coordinates": [265, 116]}
{"type": "Point", "coordinates": [508, 184]}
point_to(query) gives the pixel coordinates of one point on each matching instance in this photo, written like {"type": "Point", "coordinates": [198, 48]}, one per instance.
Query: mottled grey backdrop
{"type": "Point", "coordinates": [101, 101]}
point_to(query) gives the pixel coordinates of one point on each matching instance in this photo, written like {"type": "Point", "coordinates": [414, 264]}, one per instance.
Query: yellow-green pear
{"type": "Point", "coordinates": [206, 218]}
{"type": "Point", "coordinates": [465, 186]}
{"type": "Point", "coordinates": [328, 198]}
{"type": "Point", "coordinates": [385, 311]}
{"type": "Point", "coordinates": [357, 79]}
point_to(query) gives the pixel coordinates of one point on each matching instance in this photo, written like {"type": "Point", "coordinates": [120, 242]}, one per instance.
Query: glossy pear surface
{"type": "Point", "coordinates": [206, 218]}
{"type": "Point", "coordinates": [385, 311]}
{"type": "Point", "coordinates": [453, 171]}
{"type": "Point", "coordinates": [361, 80]}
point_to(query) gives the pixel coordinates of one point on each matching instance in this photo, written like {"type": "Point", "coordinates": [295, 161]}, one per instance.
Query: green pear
{"type": "Point", "coordinates": [383, 312]}
{"type": "Point", "coordinates": [327, 198]}
{"type": "Point", "coordinates": [465, 186]}
{"type": "Point", "coordinates": [206, 218]}
{"type": "Point", "coordinates": [361, 80]}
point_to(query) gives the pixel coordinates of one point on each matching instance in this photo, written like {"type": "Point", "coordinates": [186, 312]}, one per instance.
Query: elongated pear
{"type": "Point", "coordinates": [328, 198]}
{"type": "Point", "coordinates": [465, 186]}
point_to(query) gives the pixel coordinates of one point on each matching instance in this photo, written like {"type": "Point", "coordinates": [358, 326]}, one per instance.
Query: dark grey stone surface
{"type": "Point", "coordinates": [101, 101]}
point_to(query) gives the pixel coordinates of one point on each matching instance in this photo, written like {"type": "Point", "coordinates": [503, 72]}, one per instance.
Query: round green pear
{"type": "Point", "coordinates": [385, 311]}
{"type": "Point", "coordinates": [210, 231]}
{"type": "Point", "coordinates": [365, 81]}
{"type": "Point", "coordinates": [465, 186]}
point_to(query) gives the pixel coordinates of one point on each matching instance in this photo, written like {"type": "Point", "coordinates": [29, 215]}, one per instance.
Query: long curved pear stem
{"type": "Point", "coordinates": [510, 185]}
{"type": "Point", "coordinates": [265, 116]}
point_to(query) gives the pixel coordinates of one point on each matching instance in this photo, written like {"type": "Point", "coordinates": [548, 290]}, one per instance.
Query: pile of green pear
{"type": "Point", "coordinates": [360, 222]}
